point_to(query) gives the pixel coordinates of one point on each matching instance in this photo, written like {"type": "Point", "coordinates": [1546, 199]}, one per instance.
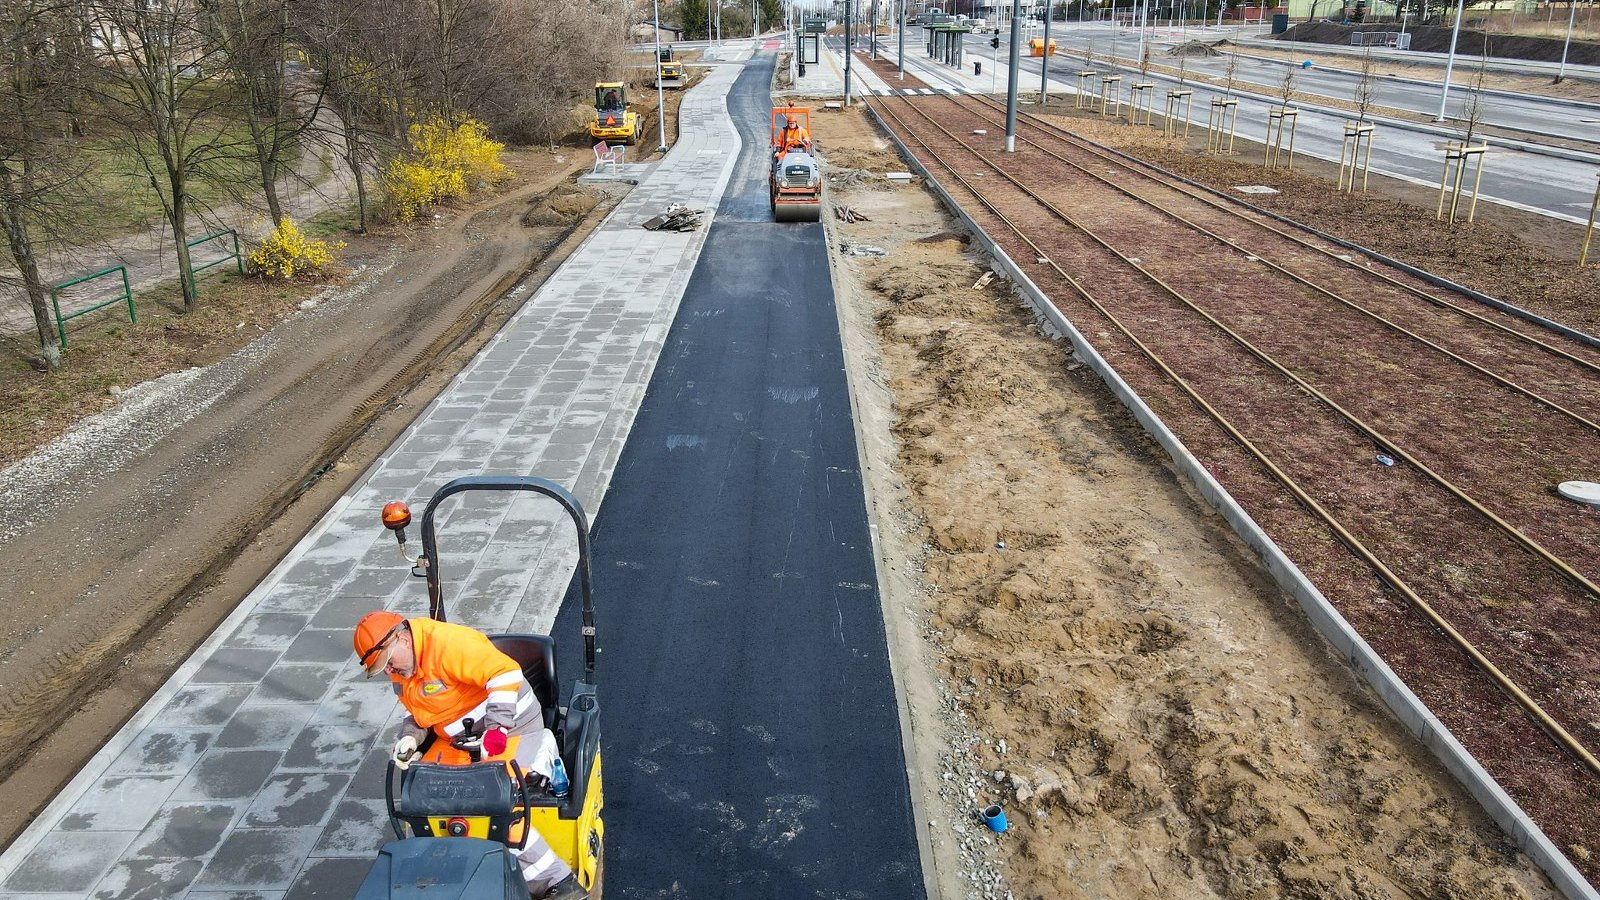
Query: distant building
{"type": "Point", "coordinates": [645, 32]}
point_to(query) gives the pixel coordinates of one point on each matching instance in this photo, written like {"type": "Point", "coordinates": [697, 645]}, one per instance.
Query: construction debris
{"type": "Point", "coordinates": [848, 215]}
{"type": "Point", "coordinates": [676, 218]}
{"type": "Point", "coordinates": [862, 250]}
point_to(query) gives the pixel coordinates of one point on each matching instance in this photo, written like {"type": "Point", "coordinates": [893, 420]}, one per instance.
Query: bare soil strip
{"type": "Point", "coordinates": [1433, 412]}
{"type": "Point", "coordinates": [1115, 668]}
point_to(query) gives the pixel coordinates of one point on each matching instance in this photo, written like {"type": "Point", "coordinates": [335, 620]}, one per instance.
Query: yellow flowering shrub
{"type": "Point", "coordinates": [442, 164]}
{"type": "Point", "coordinates": [287, 252]}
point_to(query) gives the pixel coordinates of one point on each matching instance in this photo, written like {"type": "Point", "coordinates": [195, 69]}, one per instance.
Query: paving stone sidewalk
{"type": "Point", "coordinates": [257, 770]}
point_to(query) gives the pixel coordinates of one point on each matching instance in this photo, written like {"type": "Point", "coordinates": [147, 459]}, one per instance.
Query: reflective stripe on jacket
{"type": "Point", "coordinates": [461, 675]}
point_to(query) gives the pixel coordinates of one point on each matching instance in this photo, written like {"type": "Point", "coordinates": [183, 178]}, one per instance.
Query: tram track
{"type": "Point", "coordinates": [1158, 271]}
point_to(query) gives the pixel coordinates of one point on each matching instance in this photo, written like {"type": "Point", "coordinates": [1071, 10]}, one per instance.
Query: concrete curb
{"type": "Point", "coordinates": [1411, 711]}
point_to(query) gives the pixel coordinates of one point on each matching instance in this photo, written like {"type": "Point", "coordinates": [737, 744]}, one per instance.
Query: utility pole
{"type": "Point", "coordinates": [900, 29]}
{"type": "Point", "coordinates": [1011, 82]}
{"type": "Point", "coordinates": [1450, 62]}
{"type": "Point", "coordinates": [847, 35]}
{"type": "Point", "coordinates": [1044, 61]}
{"type": "Point", "coordinates": [661, 97]}
{"type": "Point", "coordinates": [1572, 16]}
{"type": "Point", "coordinates": [874, 29]}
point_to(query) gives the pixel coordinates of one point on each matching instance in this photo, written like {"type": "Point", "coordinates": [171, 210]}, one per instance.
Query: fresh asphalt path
{"type": "Point", "coordinates": [752, 739]}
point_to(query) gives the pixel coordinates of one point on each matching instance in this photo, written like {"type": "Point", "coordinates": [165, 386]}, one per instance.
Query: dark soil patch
{"type": "Point", "coordinates": [1436, 39]}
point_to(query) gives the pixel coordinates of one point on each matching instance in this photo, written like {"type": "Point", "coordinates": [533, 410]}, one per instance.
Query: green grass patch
{"type": "Point", "coordinates": [125, 202]}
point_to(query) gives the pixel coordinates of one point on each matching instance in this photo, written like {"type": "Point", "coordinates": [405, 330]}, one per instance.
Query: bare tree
{"type": "Point", "coordinates": [1366, 87]}
{"type": "Point", "coordinates": [38, 164]}
{"type": "Point", "coordinates": [161, 85]}
{"type": "Point", "coordinates": [1285, 87]}
{"type": "Point", "coordinates": [1230, 73]}
{"type": "Point", "coordinates": [331, 34]}
{"type": "Point", "coordinates": [1472, 109]}
{"type": "Point", "coordinates": [255, 37]}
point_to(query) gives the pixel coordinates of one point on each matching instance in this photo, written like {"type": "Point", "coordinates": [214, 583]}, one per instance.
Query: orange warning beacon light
{"type": "Point", "coordinates": [396, 515]}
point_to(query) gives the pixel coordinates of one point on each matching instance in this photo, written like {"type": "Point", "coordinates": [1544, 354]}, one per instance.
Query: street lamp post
{"type": "Point", "coordinates": [848, 24]}
{"type": "Point", "coordinates": [900, 29]}
{"type": "Point", "coordinates": [1044, 61]}
{"type": "Point", "coordinates": [1572, 17]}
{"type": "Point", "coordinates": [1012, 72]}
{"type": "Point", "coordinates": [1450, 62]}
{"type": "Point", "coordinates": [661, 97]}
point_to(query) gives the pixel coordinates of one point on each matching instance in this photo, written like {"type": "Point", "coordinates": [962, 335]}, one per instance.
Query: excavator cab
{"type": "Point", "coordinates": [613, 121]}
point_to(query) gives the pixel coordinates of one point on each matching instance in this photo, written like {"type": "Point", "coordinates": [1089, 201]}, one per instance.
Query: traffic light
{"type": "Point", "coordinates": [995, 42]}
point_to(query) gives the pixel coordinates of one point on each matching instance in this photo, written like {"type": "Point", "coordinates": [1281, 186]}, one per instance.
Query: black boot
{"type": "Point", "coordinates": [567, 889]}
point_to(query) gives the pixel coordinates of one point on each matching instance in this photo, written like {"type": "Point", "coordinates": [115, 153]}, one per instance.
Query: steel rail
{"type": "Point", "coordinates": [1370, 431]}
{"type": "Point", "coordinates": [1312, 285]}
{"type": "Point", "coordinates": [1231, 208]}
{"type": "Point", "coordinates": [1543, 719]}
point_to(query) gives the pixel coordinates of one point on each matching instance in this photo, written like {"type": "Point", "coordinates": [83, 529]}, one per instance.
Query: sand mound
{"type": "Point", "coordinates": [559, 208]}
{"type": "Point", "coordinates": [1193, 49]}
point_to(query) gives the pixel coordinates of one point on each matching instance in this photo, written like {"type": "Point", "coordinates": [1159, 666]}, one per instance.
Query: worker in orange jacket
{"type": "Point", "coordinates": [794, 136]}
{"type": "Point", "coordinates": [447, 676]}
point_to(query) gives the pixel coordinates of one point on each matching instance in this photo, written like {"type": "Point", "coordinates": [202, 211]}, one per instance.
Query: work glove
{"type": "Point", "coordinates": [494, 742]}
{"type": "Point", "coordinates": [404, 749]}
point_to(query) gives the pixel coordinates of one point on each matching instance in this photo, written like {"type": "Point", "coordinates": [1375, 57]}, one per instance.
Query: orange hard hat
{"type": "Point", "coordinates": [372, 634]}
{"type": "Point", "coordinates": [789, 121]}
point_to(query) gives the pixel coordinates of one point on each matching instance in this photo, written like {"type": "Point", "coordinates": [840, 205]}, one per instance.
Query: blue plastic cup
{"type": "Point", "coordinates": [995, 818]}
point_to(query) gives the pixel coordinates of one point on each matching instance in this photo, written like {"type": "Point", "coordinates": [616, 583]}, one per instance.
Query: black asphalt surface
{"type": "Point", "coordinates": [751, 737]}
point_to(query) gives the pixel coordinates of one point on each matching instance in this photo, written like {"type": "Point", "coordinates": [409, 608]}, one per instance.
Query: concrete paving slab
{"type": "Point", "coordinates": [257, 859]}
{"type": "Point", "coordinates": [69, 861]}
{"type": "Point", "coordinates": [263, 756]}
{"type": "Point", "coordinates": [146, 879]}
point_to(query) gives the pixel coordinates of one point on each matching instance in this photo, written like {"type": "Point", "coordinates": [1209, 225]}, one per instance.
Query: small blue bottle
{"type": "Point", "coordinates": [559, 784]}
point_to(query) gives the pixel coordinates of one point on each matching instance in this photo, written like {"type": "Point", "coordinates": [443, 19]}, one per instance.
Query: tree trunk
{"type": "Point", "coordinates": [11, 216]}
{"type": "Point", "coordinates": [177, 218]}
{"type": "Point", "coordinates": [266, 160]}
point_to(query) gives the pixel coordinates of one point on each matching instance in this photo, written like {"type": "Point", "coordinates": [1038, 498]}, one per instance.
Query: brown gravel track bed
{"type": "Point", "coordinates": [1533, 622]}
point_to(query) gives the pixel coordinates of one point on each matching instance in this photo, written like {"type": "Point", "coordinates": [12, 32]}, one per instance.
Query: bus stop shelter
{"type": "Point", "coordinates": [947, 43]}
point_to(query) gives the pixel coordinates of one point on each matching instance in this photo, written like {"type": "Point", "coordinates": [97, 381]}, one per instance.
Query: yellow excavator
{"type": "Point", "coordinates": [614, 122]}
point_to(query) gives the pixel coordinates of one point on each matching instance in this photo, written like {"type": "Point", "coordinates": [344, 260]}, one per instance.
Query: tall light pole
{"type": "Point", "coordinates": [1572, 16]}
{"type": "Point", "coordinates": [1450, 62]}
{"type": "Point", "coordinates": [848, 24]}
{"type": "Point", "coordinates": [1044, 61]}
{"type": "Point", "coordinates": [1011, 81]}
{"type": "Point", "coordinates": [900, 29]}
{"type": "Point", "coordinates": [661, 97]}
